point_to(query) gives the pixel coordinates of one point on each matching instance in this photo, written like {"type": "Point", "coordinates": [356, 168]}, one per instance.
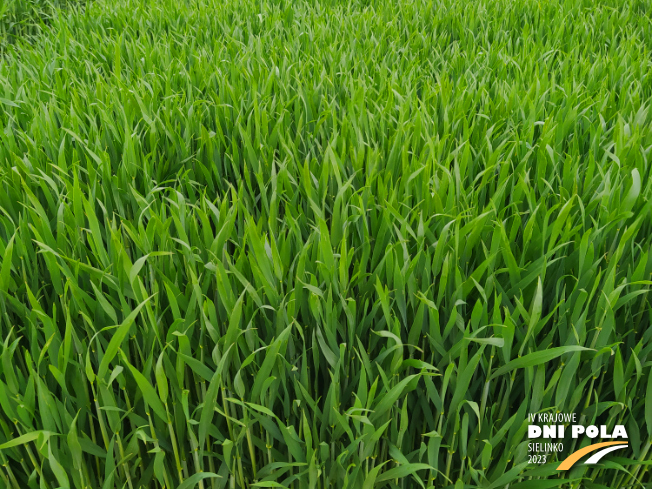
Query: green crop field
{"type": "Point", "coordinates": [323, 244]}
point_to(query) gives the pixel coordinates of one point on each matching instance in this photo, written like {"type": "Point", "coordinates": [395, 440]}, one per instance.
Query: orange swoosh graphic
{"type": "Point", "coordinates": [575, 456]}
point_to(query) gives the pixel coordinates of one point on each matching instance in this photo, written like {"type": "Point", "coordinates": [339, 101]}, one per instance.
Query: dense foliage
{"type": "Point", "coordinates": [25, 20]}
{"type": "Point", "coordinates": [323, 244]}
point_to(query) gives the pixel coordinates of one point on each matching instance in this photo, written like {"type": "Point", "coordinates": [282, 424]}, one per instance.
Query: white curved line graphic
{"type": "Point", "coordinates": [596, 458]}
